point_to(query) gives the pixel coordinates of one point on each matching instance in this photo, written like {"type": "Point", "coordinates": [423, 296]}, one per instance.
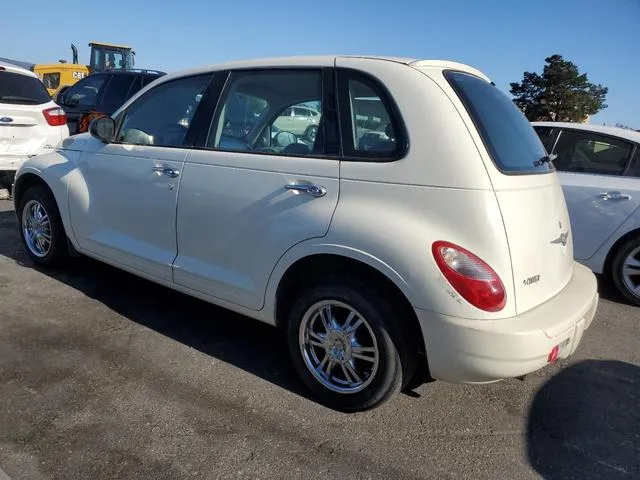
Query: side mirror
{"type": "Point", "coordinates": [103, 128]}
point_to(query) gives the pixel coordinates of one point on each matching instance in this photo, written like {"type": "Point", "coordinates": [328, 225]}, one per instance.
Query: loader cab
{"type": "Point", "coordinates": [105, 56]}
{"type": "Point", "coordinates": [56, 76]}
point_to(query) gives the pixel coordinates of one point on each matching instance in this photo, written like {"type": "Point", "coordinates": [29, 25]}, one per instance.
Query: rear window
{"type": "Point", "coordinates": [19, 89]}
{"type": "Point", "coordinates": [509, 137]}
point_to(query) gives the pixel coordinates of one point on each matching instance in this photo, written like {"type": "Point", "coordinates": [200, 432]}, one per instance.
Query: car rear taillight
{"type": "Point", "coordinates": [470, 276]}
{"type": "Point", "coordinates": [55, 116]}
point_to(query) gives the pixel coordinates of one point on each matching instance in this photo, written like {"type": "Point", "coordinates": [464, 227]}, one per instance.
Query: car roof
{"type": "Point", "coordinates": [136, 71]}
{"type": "Point", "coordinates": [10, 67]}
{"type": "Point", "coordinates": [624, 133]}
{"type": "Point", "coordinates": [321, 61]}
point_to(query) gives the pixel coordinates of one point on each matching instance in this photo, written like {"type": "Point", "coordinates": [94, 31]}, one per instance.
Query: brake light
{"type": "Point", "coordinates": [55, 116]}
{"type": "Point", "coordinates": [470, 276]}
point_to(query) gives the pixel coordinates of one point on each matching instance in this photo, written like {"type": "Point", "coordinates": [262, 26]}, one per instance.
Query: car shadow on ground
{"type": "Point", "coordinates": [585, 423]}
{"type": "Point", "coordinates": [235, 339]}
{"type": "Point", "coordinates": [609, 292]}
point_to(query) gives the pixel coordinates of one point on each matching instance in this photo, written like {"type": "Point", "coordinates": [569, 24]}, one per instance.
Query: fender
{"type": "Point", "coordinates": [319, 246]}
{"type": "Point", "coordinates": [597, 261]}
{"type": "Point", "coordinates": [56, 169]}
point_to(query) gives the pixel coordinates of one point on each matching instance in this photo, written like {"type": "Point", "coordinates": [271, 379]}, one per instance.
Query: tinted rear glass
{"type": "Point", "coordinates": [19, 89]}
{"type": "Point", "coordinates": [511, 140]}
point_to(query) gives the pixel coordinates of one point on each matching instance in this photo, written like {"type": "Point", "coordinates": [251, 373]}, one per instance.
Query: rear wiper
{"type": "Point", "coordinates": [546, 159]}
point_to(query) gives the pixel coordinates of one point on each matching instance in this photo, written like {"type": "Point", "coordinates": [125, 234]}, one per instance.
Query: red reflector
{"type": "Point", "coordinates": [553, 354]}
{"type": "Point", "coordinates": [55, 116]}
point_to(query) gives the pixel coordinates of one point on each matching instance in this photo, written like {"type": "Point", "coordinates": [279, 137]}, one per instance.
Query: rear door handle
{"type": "Point", "coordinates": [166, 170]}
{"type": "Point", "coordinates": [308, 188]}
{"type": "Point", "coordinates": [615, 196]}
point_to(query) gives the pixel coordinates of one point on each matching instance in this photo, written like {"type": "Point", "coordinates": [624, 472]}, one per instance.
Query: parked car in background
{"type": "Point", "coordinates": [101, 94]}
{"type": "Point", "coordinates": [384, 264]}
{"type": "Point", "coordinates": [30, 122]}
{"type": "Point", "coordinates": [300, 120]}
{"type": "Point", "coordinates": [599, 168]}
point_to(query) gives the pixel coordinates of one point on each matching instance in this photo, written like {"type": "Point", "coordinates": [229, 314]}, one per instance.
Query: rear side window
{"type": "Point", "coordinates": [117, 91]}
{"type": "Point", "coordinates": [509, 137]}
{"type": "Point", "coordinates": [18, 89]}
{"type": "Point", "coordinates": [587, 152]}
{"type": "Point", "coordinates": [370, 124]}
{"type": "Point", "coordinates": [86, 92]}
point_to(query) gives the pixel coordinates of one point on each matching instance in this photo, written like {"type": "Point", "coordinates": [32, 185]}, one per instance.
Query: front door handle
{"type": "Point", "coordinates": [308, 188]}
{"type": "Point", "coordinates": [615, 196]}
{"type": "Point", "coordinates": [166, 170]}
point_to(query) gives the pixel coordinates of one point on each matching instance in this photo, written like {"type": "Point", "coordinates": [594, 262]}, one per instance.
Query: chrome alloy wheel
{"type": "Point", "coordinates": [338, 347]}
{"type": "Point", "coordinates": [36, 227]}
{"type": "Point", "coordinates": [631, 272]}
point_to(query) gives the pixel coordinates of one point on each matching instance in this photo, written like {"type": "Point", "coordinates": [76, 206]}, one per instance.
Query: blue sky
{"type": "Point", "coordinates": [501, 38]}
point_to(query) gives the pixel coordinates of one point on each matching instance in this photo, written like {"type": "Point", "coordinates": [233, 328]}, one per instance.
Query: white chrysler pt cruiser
{"type": "Point", "coordinates": [421, 234]}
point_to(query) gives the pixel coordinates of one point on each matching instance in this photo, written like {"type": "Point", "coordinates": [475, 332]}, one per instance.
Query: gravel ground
{"type": "Point", "coordinates": [104, 375]}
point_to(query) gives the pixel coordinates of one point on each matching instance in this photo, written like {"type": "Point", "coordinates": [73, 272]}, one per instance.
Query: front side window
{"type": "Point", "coordinates": [510, 139]}
{"type": "Point", "coordinates": [162, 116]}
{"type": "Point", "coordinates": [85, 92]}
{"type": "Point", "coordinates": [18, 89]}
{"type": "Point", "coordinates": [257, 113]}
{"type": "Point", "coordinates": [586, 152]}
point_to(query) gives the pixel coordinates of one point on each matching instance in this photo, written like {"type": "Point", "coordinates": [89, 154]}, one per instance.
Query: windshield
{"type": "Point", "coordinates": [511, 140]}
{"type": "Point", "coordinates": [19, 89]}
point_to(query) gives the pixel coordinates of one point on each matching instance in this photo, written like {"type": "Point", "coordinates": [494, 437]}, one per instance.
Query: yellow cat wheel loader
{"type": "Point", "coordinates": [61, 75]}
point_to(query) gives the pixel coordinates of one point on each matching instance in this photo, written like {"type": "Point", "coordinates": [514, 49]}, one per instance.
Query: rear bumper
{"type": "Point", "coordinates": [11, 163]}
{"type": "Point", "coordinates": [480, 351]}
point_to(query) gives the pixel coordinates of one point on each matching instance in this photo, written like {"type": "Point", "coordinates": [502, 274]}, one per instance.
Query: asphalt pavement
{"type": "Point", "coordinates": [105, 375]}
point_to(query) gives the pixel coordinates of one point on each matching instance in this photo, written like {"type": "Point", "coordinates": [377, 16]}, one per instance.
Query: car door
{"type": "Point", "coordinates": [124, 207]}
{"type": "Point", "coordinates": [599, 197]}
{"type": "Point", "coordinates": [82, 98]}
{"type": "Point", "coordinates": [245, 199]}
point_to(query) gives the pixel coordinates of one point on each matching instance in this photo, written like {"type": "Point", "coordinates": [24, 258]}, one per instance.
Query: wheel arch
{"type": "Point", "coordinates": [31, 176]}
{"type": "Point", "coordinates": [304, 269]}
{"type": "Point", "coordinates": [608, 263]}
{"type": "Point", "coordinates": [24, 182]}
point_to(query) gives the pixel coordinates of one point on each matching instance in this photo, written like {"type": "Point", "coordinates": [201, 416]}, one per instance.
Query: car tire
{"type": "Point", "coordinates": [38, 202]}
{"type": "Point", "coordinates": [627, 255]}
{"type": "Point", "coordinates": [381, 371]}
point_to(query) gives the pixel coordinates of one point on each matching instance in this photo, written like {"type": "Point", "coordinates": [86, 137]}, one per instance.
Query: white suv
{"type": "Point", "coordinates": [430, 241]}
{"type": "Point", "coordinates": [30, 122]}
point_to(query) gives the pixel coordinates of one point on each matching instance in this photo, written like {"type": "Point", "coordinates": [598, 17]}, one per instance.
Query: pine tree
{"type": "Point", "coordinates": [560, 94]}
